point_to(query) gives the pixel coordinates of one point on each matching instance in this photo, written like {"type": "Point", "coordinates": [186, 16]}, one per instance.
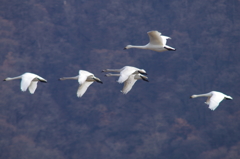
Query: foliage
{"type": "Point", "coordinates": [154, 120]}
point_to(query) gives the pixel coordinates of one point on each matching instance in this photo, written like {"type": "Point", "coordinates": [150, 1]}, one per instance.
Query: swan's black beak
{"type": "Point", "coordinates": [124, 48]}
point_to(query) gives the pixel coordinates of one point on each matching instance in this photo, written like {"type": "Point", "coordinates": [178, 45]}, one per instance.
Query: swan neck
{"type": "Point", "coordinates": [69, 78]}
{"type": "Point", "coordinates": [13, 78]}
{"type": "Point", "coordinates": [137, 47]}
{"type": "Point", "coordinates": [202, 95]}
{"type": "Point", "coordinates": [112, 70]}
{"type": "Point", "coordinates": [110, 74]}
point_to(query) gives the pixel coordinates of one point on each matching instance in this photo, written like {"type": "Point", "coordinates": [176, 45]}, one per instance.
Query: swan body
{"type": "Point", "coordinates": [125, 72]}
{"type": "Point", "coordinates": [85, 79]}
{"type": "Point", "coordinates": [29, 81]}
{"type": "Point", "coordinates": [214, 98]}
{"type": "Point", "coordinates": [128, 84]}
{"type": "Point", "coordinates": [157, 42]}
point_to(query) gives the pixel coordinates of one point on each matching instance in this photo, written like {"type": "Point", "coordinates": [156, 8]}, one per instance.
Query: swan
{"type": "Point", "coordinates": [157, 43]}
{"type": "Point", "coordinates": [214, 98]}
{"type": "Point", "coordinates": [29, 81]}
{"type": "Point", "coordinates": [85, 79]}
{"type": "Point", "coordinates": [128, 84]}
{"type": "Point", "coordinates": [125, 72]}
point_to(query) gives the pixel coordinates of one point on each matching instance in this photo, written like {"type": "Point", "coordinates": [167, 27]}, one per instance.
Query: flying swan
{"type": "Point", "coordinates": [128, 84]}
{"type": "Point", "coordinates": [125, 72]}
{"type": "Point", "coordinates": [157, 43]}
{"type": "Point", "coordinates": [29, 81]}
{"type": "Point", "coordinates": [214, 98]}
{"type": "Point", "coordinates": [85, 79]}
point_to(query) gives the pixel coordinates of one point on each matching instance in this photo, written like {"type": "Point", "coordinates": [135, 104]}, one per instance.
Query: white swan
{"type": "Point", "coordinates": [157, 43]}
{"type": "Point", "coordinates": [125, 72]}
{"type": "Point", "coordinates": [214, 98]}
{"type": "Point", "coordinates": [29, 81]}
{"type": "Point", "coordinates": [85, 79]}
{"type": "Point", "coordinates": [128, 84]}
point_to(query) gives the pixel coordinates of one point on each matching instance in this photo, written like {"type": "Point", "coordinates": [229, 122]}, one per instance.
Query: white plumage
{"type": "Point", "coordinates": [85, 79]}
{"type": "Point", "coordinates": [29, 81]}
{"type": "Point", "coordinates": [214, 98]}
{"type": "Point", "coordinates": [128, 84]}
{"type": "Point", "coordinates": [125, 72]}
{"type": "Point", "coordinates": [157, 42]}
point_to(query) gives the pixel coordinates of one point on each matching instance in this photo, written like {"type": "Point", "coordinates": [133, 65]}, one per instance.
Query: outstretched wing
{"type": "Point", "coordinates": [215, 100]}
{"type": "Point", "coordinates": [128, 84]}
{"type": "Point", "coordinates": [164, 39]}
{"type": "Point", "coordinates": [83, 88]}
{"type": "Point", "coordinates": [83, 75]}
{"type": "Point", "coordinates": [155, 38]}
{"type": "Point", "coordinates": [32, 87]}
{"type": "Point", "coordinates": [125, 73]}
{"type": "Point", "coordinates": [26, 81]}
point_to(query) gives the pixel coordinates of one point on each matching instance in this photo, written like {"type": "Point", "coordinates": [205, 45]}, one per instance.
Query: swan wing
{"type": "Point", "coordinates": [128, 84]}
{"type": "Point", "coordinates": [155, 38]}
{"type": "Point", "coordinates": [33, 87]}
{"type": "Point", "coordinates": [215, 100]}
{"type": "Point", "coordinates": [83, 88]}
{"type": "Point", "coordinates": [164, 39]}
{"type": "Point", "coordinates": [26, 81]}
{"type": "Point", "coordinates": [83, 75]}
{"type": "Point", "coordinates": [125, 73]}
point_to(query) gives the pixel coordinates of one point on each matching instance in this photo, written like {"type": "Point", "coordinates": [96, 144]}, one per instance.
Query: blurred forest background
{"type": "Point", "coordinates": [155, 120]}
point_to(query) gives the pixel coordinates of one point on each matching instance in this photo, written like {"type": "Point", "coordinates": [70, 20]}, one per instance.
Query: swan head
{"type": "Point", "coordinates": [142, 71]}
{"type": "Point", "coordinates": [193, 96]}
{"type": "Point", "coordinates": [128, 47]}
{"type": "Point", "coordinates": [7, 79]}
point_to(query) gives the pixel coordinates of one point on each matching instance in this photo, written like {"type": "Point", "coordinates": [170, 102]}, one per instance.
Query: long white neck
{"type": "Point", "coordinates": [112, 70]}
{"type": "Point", "coordinates": [67, 78]}
{"type": "Point", "coordinates": [110, 74]}
{"type": "Point", "coordinates": [136, 46]}
{"type": "Point", "coordinates": [12, 78]}
{"type": "Point", "coordinates": [202, 95]}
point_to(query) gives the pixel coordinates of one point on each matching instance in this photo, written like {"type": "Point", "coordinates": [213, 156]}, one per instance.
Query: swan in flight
{"type": "Point", "coordinates": [125, 72]}
{"type": "Point", "coordinates": [214, 98]}
{"type": "Point", "coordinates": [85, 79]}
{"type": "Point", "coordinates": [29, 81]}
{"type": "Point", "coordinates": [128, 84]}
{"type": "Point", "coordinates": [157, 43]}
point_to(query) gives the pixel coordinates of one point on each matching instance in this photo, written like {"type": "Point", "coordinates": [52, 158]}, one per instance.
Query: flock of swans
{"type": "Point", "coordinates": [127, 75]}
